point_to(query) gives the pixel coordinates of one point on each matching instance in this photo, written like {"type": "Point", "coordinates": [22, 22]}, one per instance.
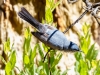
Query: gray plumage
{"type": "Point", "coordinates": [49, 35]}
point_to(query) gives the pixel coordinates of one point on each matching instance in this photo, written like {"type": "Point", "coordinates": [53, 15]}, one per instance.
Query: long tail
{"type": "Point", "coordinates": [24, 14]}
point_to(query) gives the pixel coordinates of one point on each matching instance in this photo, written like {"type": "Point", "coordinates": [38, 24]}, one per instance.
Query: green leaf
{"type": "Point", "coordinates": [78, 56]}
{"type": "Point", "coordinates": [50, 6]}
{"type": "Point", "coordinates": [94, 63]}
{"type": "Point", "coordinates": [11, 63]}
{"type": "Point", "coordinates": [77, 66]}
{"type": "Point", "coordinates": [8, 68]}
{"type": "Point", "coordinates": [40, 51]}
{"type": "Point", "coordinates": [27, 33]}
{"type": "Point", "coordinates": [85, 39]}
{"type": "Point", "coordinates": [97, 70]}
{"type": "Point", "coordinates": [40, 70]}
{"type": "Point", "coordinates": [13, 59]}
{"type": "Point", "coordinates": [65, 72]}
{"type": "Point", "coordinates": [26, 59]}
{"type": "Point", "coordinates": [83, 68]}
{"type": "Point", "coordinates": [46, 68]}
{"type": "Point", "coordinates": [48, 16]}
{"type": "Point", "coordinates": [33, 53]}
{"type": "Point", "coordinates": [27, 41]}
{"type": "Point", "coordinates": [56, 72]}
{"type": "Point", "coordinates": [92, 53]}
{"type": "Point", "coordinates": [57, 58]}
{"type": "Point", "coordinates": [7, 46]}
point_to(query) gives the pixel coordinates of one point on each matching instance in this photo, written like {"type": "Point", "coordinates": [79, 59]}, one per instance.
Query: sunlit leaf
{"type": "Point", "coordinates": [13, 59]}
{"type": "Point", "coordinates": [7, 46]}
{"type": "Point", "coordinates": [8, 68]}
{"type": "Point", "coordinates": [94, 63]}
{"type": "Point", "coordinates": [48, 16]}
{"type": "Point", "coordinates": [26, 59]}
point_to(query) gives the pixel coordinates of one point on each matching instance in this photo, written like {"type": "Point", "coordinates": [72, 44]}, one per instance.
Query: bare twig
{"type": "Point", "coordinates": [90, 7]}
{"type": "Point", "coordinates": [76, 21]}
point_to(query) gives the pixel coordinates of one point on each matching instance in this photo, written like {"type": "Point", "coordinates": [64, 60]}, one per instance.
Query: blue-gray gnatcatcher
{"type": "Point", "coordinates": [47, 34]}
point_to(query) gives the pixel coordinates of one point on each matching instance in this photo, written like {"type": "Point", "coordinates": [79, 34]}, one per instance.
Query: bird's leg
{"type": "Point", "coordinates": [46, 54]}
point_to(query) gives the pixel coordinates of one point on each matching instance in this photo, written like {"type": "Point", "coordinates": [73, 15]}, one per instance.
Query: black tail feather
{"type": "Point", "coordinates": [24, 14]}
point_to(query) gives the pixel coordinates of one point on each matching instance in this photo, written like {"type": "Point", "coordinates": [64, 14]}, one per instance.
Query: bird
{"type": "Point", "coordinates": [48, 34]}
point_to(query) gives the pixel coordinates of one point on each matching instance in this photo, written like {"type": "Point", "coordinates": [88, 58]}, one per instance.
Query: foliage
{"type": "Point", "coordinates": [86, 60]}
{"type": "Point", "coordinates": [50, 6]}
{"type": "Point", "coordinates": [30, 64]}
{"type": "Point", "coordinates": [11, 58]}
{"type": "Point", "coordinates": [31, 67]}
